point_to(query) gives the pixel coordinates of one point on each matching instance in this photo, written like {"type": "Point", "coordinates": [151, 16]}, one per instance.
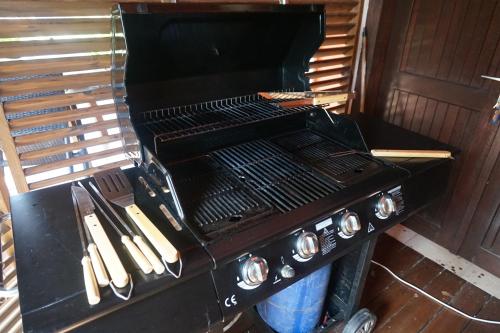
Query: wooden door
{"type": "Point", "coordinates": [433, 54]}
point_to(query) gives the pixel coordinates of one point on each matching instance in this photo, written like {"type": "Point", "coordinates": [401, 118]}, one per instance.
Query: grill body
{"type": "Point", "coordinates": [247, 176]}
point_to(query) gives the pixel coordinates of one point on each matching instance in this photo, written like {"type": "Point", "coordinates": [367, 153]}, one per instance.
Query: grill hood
{"type": "Point", "coordinates": [184, 54]}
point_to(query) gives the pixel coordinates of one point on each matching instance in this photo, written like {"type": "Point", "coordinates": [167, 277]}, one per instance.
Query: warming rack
{"type": "Point", "coordinates": [182, 121]}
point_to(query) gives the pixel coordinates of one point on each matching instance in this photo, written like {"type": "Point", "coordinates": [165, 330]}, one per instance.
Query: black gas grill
{"type": "Point", "coordinates": [246, 175]}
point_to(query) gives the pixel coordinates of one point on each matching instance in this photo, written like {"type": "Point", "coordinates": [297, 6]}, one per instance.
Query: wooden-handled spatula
{"type": "Point", "coordinates": [115, 187]}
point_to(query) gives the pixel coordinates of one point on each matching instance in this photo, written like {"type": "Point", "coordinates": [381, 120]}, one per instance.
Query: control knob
{"type": "Point", "coordinates": [287, 272]}
{"type": "Point", "coordinates": [254, 271]}
{"type": "Point", "coordinates": [350, 223]}
{"type": "Point", "coordinates": [385, 207]}
{"type": "Point", "coordinates": [307, 244]}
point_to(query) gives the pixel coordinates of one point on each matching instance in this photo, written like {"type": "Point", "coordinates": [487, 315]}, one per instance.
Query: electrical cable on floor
{"type": "Point", "coordinates": [494, 322]}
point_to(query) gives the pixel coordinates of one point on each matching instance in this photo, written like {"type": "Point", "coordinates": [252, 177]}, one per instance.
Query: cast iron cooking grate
{"type": "Point", "coordinates": [213, 197]}
{"type": "Point", "coordinates": [225, 202]}
{"type": "Point", "coordinates": [269, 171]}
{"type": "Point", "coordinates": [342, 164]}
{"type": "Point", "coordinates": [182, 121]}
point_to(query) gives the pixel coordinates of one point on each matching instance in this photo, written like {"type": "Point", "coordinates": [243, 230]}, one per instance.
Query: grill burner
{"type": "Point", "coordinates": [182, 121]}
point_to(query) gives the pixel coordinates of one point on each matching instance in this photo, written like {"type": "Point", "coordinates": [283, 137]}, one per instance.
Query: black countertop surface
{"type": "Point", "coordinates": [382, 135]}
{"type": "Point", "coordinates": [50, 277]}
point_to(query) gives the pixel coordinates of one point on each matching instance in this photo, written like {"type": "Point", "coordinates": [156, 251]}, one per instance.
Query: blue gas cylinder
{"type": "Point", "coordinates": [297, 309]}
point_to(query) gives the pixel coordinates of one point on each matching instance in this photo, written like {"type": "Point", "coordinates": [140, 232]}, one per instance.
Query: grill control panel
{"type": "Point", "coordinates": [264, 271]}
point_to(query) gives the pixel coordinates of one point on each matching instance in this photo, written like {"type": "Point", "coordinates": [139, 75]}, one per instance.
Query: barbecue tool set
{"type": "Point", "coordinates": [115, 187]}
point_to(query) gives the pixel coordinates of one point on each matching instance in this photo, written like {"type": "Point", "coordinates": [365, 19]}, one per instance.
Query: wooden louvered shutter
{"type": "Point", "coordinates": [55, 90]}
{"type": "Point", "coordinates": [331, 67]}
{"type": "Point", "coordinates": [54, 82]}
{"type": "Point", "coordinates": [10, 318]}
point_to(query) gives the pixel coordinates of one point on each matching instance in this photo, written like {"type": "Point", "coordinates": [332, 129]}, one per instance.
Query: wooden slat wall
{"type": "Point", "coordinates": [331, 67]}
{"type": "Point", "coordinates": [36, 93]}
{"type": "Point", "coordinates": [10, 318]}
{"type": "Point", "coordinates": [63, 126]}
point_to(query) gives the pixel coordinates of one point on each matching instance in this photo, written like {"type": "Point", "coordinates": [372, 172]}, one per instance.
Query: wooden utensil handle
{"type": "Point", "coordinates": [91, 287]}
{"type": "Point", "coordinates": [326, 99]}
{"type": "Point", "coordinates": [119, 276]}
{"type": "Point", "coordinates": [98, 266]}
{"type": "Point", "coordinates": [411, 153]}
{"type": "Point", "coordinates": [137, 255]}
{"type": "Point", "coordinates": [158, 266]}
{"type": "Point", "coordinates": [159, 241]}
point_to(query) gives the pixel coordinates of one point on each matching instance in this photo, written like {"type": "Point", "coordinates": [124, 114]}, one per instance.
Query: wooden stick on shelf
{"type": "Point", "coordinates": [411, 153]}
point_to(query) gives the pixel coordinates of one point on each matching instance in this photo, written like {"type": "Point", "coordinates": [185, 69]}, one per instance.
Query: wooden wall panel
{"type": "Point", "coordinates": [439, 120]}
{"type": "Point", "coordinates": [452, 40]}
{"type": "Point", "coordinates": [433, 54]}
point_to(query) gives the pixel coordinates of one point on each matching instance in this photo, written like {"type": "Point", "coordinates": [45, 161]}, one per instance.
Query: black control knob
{"type": "Point", "coordinates": [307, 244]}
{"type": "Point", "coordinates": [385, 207]}
{"type": "Point", "coordinates": [350, 223]}
{"type": "Point", "coordinates": [254, 271]}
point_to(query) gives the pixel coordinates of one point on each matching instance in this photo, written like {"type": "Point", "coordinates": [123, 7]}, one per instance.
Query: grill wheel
{"type": "Point", "coordinates": [363, 321]}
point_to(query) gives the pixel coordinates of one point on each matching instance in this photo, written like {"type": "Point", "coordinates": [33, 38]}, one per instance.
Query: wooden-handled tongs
{"type": "Point", "coordinates": [294, 99]}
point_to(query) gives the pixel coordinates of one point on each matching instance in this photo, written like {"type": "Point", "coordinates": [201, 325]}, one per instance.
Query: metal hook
{"type": "Point", "coordinates": [117, 294]}
{"type": "Point", "coordinates": [170, 271]}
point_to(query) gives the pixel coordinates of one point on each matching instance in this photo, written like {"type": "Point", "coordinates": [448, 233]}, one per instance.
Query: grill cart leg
{"type": "Point", "coordinates": [346, 287]}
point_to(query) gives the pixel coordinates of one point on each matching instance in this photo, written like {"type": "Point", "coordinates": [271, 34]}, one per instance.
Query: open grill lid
{"type": "Point", "coordinates": [185, 54]}
{"type": "Point", "coordinates": [170, 55]}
